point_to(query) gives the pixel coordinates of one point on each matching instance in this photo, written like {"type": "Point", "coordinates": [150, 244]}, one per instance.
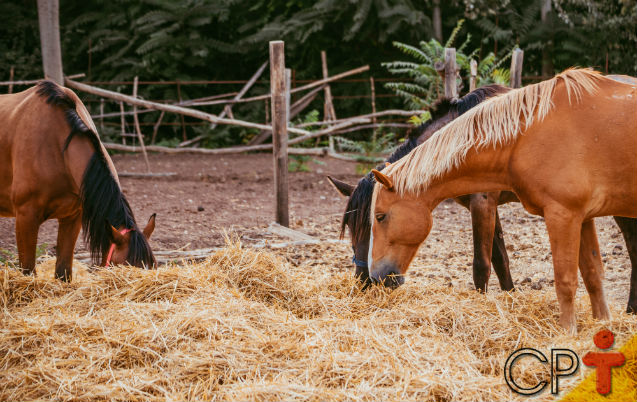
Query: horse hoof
{"type": "Point", "coordinates": [631, 309]}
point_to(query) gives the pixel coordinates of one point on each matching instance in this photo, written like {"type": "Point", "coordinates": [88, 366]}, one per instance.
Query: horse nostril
{"type": "Point", "coordinates": [389, 277]}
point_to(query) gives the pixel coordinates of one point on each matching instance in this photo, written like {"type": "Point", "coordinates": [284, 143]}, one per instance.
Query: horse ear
{"type": "Point", "coordinates": [114, 234]}
{"type": "Point", "coordinates": [383, 179]}
{"type": "Point", "coordinates": [342, 187]}
{"type": "Point", "coordinates": [150, 227]}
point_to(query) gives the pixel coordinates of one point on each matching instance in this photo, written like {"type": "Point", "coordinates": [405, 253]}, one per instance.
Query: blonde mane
{"type": "Point", "coordinates": [495, 122]}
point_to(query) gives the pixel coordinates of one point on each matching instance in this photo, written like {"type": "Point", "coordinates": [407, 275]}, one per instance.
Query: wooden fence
{"type": "Point", "coordinates": [282, 111]}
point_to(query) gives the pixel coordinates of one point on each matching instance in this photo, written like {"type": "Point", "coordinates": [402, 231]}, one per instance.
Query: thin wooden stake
{"type": "Point", "coordinates": [122, 120]}
{"type": "Point", "coordinates": [156, 127]}
{"type": "Point", "coordinates": [516, 68]}
{"type": "Point", "coordinates": [137, 128]}
{"type": "Point", "coordinates": [183, 123]}
{"type": "Point", "coordinates": [451, 90]}
{"type": "Point", "coordinates": [279, 93]}
{"type": "Point", "coordinates": [102, 115]}
{"type": "Point", "coordinates": [474, 73]}
{"type": "Point", "coordinates": [373, 87]}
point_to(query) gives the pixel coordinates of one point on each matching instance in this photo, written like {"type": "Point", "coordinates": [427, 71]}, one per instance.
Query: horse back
{"type": "Point", "coordinates": [39, 168]}
{"type": "Point", "coordinates": [584, 153]}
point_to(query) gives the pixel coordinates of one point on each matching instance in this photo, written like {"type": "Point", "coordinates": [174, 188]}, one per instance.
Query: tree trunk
{"type": "Point", "coordinates": [48, 16]}
{"type": "Point", "coordinates": [437, 21]}
{"type": "Point", "coordinates": [547, 50]}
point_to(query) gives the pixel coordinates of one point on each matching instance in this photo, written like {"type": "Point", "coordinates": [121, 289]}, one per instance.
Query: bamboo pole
{"type": "Point", "coordinates": [474, 73]}
{"type": "Point", "coordinates": [172, 109]}
{"type": "Point", "coordinates": [391, 112]}
{"type": "Point", "coordinates": [49, 22]}
{"type": "Point", "coordinates": [181, 117]}
{"type": "Point", "coordinates": [137, 128]}
{"type": "Point", "coordinates": [321, 151]}
{"type": "Point", "coordinates": [122, 121]}
{"type": "Point", "coordinates": [156, 127]}
{"type": "Point", "coordinates": [295, 109]}
{"type": "Point", "coordinates": [373, 88]}
{"type": "Point", "coordinates": [298, 89]}
{"type": "Point", "coordinates": [279, 97]}
{"type": "Point", "coordinates": [227, 110]}
{"type": "Point", "coordinates": [516, 68]}
{"type": "Point", "coordinates": [11, 83]}
{"type": "Point", "coordinates": [102, 114]}
{"type": "Point", "coordinates": [451, 90]}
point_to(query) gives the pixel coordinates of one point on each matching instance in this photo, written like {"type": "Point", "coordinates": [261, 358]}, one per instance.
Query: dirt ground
{"type": "Point", "coordinates": [213, 195]}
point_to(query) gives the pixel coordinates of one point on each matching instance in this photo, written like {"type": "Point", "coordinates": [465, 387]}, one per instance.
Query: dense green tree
{"type": "Point", "coordinates": [227, 39]}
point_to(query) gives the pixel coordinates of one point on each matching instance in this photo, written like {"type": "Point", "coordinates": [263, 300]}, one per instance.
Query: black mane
{"type": "Point", "coordinates": [359, 203]}
{"type": "Point", "coordinates": [103, 202]}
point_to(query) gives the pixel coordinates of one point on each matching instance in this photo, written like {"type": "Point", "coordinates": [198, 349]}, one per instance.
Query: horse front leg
{"type": "Point", "coordinates": [483, 208]}
{"type": "Point", "coordinates": [628, 226]}
{"type": "Point", "coordinates": [27, 224]}
{"type": "Point", "coordinates": [499, 257]}
{"type": "Point", "coordinates": [564, 230]}
{"type": "Point", "coordinates": [68, 231]}
{"type": "Point", "coordinates": [592, 270]}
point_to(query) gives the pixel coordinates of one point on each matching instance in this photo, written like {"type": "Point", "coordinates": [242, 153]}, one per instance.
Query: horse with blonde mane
{"type": "Point", "coordinates": [54, 166]}
{"type": "Point", "coordinates": [567, 147]}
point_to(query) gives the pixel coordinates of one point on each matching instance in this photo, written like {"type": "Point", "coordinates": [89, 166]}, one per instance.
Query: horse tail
{"type": "Point", "coordinates": [101, 197]}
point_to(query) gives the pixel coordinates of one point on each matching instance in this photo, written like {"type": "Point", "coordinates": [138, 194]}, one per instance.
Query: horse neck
{"type": "Point", "coordinates": [483, 171]}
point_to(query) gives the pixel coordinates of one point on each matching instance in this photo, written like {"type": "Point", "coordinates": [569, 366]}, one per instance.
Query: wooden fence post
{"type": "Point", "coordinates": [11, 71]}
{"type": "Point", "coordinates": [137, 128]}
{"type": "Point", "coordinates": [122, 121]}
{"type": "Point", "coordinates": [102, 115]}
{"type": "Point", "coordinates": [49, 21]}
{"type": "Point", "coordinates": [373, 87]}
{"type": "Point", "coordinates": [474, 73]}
{"type": "Point", "coordinates": [516, 68]}
{"type": "Point", "coordinates": [279, 93]}
{"type": "Point", "coordinates": [451, 90]}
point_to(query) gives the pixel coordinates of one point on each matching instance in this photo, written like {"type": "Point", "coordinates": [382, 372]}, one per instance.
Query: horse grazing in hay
{"type": "Point", "coordinates": [53, 166]}
{"type": "Point", "coordinates": [566, 146]}
{"type": "Point", "coordinates": [487, 232]}
{"type": "Point", "coordinates": [488, 239]}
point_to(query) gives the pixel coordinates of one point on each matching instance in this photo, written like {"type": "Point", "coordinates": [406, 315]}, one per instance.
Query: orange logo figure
{"type": "Point", "coordinates": [604, 361]}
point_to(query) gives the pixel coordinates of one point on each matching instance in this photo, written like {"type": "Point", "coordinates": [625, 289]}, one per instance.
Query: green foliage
{"type": "Point", "coordinates": [299, 163]}
{"type": "Point", "coordinates": [427, 85]}
{"type": "Point", "coordinates": [10, 257]}
{"type": "Point", "coordinates": [7, 256]}
{"type": "Point", "coordinates": [161, 40]}
{"type": "Point", "coordinates": [368, 153]}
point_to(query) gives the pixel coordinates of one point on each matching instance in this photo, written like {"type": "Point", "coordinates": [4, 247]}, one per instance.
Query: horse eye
{"type": "Point", "coordinates": [380, 217]}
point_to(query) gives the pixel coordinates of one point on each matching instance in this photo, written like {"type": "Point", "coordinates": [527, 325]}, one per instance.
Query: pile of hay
{"type": "Point", "coordinates": [246, 325]}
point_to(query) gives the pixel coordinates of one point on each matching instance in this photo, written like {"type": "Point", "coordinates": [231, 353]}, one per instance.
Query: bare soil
{"type": "Point", "coordinates": [214, 195]}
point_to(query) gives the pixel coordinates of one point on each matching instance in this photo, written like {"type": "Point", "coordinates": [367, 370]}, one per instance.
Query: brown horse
{"type": "Point", "coordinates": [567, 147]}
{"type": "Point", "coordinates": [53, 166]}
{"type": "Point", "coordinates": [488, 238]}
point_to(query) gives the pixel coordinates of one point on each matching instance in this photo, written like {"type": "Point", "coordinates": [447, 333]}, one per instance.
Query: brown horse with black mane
{"type": "Point", "coordinates": [567, 147]}
{"type": "Point", "coordinates": [53, 166]}
{"type": "Point", "coordinates": [488, 238]}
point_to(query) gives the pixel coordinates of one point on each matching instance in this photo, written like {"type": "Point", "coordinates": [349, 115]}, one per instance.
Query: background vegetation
{"type": "Point", "coordinates": [114, 40]}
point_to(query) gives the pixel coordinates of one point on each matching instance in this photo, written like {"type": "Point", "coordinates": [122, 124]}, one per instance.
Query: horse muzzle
{"type": "Point", "coordinates": [386, 274]}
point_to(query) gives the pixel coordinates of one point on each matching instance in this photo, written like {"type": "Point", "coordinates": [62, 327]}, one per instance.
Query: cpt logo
{"type": "Point", "coordinates": [602, 361]}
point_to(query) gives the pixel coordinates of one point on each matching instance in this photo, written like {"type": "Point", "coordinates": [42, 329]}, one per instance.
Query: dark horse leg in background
{"type": "Point", "coordinates": [488, 241]}
{"type": "Point", "coordinates": [628, 227]}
